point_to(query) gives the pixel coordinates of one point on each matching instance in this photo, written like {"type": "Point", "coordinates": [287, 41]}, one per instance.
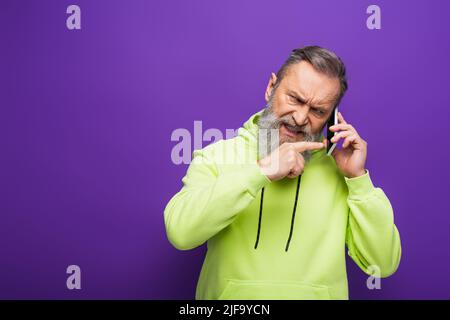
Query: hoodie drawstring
{"type": "Point", "coordinates": [260, 216]}
{"type": "Point", "coordinates": [292, 220]}
{"type": "Point", "coordinates": [293, 214]}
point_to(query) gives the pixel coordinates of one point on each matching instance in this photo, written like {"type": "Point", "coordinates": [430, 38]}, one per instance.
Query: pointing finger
{"type": "Point", "coordinates": [307, 145]}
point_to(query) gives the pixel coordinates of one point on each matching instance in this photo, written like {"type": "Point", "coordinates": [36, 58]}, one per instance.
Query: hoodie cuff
{"type": "Point", "coordinates": [359, 186]}
{"type": "Point", "coordinates": [256, 180]}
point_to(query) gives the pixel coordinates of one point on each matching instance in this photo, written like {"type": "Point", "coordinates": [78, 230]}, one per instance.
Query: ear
{"type": "Point", "coordinates": [272, 81]}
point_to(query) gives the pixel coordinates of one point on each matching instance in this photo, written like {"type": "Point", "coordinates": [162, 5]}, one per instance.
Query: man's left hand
{"type": "Point", "coordinates": [351, 159]}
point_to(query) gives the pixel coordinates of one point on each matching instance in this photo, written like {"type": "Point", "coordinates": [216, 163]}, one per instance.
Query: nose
{"type": "Point", "coordinates": [301, 117]}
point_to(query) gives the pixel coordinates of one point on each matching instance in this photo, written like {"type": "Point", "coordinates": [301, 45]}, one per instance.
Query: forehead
{"type": "Point", "coordinates": [311, 84]}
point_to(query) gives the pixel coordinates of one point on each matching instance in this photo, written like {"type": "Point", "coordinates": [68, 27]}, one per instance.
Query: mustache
{"type": "Point", "coordinates": [292, 126]}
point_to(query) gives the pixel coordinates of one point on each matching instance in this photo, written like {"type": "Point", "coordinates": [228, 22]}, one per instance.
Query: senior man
{"type": "Point", "coordinates": [276, 211]}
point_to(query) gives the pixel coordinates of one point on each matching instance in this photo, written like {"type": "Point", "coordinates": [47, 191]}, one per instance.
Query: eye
{"type": "Point", "coordinates": [295, 100]}
{"type": "Point", "coordinates": [319, 112]}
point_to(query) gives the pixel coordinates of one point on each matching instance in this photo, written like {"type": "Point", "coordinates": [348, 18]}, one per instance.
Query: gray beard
{"type": "Point", "coordinates": [268, 133]}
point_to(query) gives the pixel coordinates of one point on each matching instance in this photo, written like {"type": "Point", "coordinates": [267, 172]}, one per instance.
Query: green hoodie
{"type": "Point", "coordinates": [278, 240]}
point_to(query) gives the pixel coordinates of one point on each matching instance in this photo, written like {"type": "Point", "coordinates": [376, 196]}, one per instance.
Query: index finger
{"type": "Point", "coordinates": [307, 145]}
{"type": "Point", "coordinates": [341, 118]}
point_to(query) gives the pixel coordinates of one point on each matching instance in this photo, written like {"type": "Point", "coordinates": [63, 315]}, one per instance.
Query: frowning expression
{"type": "Point", "coordinates": [304, 100]}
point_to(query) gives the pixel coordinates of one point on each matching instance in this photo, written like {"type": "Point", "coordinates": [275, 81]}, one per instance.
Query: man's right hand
{"type": "Point", "coordinates": [286, 160]}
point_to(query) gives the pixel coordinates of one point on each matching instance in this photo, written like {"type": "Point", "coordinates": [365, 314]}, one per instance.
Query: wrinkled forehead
{"type": "Point", "coordinates": [310, 84]}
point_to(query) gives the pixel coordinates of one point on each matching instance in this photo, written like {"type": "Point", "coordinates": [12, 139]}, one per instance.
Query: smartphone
{"type": "Point", "coordinates": [331, 121]}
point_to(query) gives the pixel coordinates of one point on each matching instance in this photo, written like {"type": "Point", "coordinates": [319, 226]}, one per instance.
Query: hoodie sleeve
{"type": "Point", "coordinates": [372, 238]}
{"type": "Point", "coordinates": [209, 201]}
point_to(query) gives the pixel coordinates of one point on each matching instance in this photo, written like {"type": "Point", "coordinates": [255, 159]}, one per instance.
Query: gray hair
{"type": "Point", "coordinates": [322, 60]}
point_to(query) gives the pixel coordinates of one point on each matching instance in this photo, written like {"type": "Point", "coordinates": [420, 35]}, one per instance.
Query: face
{"type": "Point", "coordinates": [303, 101]}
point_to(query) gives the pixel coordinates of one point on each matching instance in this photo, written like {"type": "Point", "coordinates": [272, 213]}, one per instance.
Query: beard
{"type": "Point", "coordinates": [269, 132]}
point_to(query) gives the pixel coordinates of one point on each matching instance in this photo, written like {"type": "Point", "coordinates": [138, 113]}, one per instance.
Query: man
{"type": "Point", "coordinates": [277, 216]}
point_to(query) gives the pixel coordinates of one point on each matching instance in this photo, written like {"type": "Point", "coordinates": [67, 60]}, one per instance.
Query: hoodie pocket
{"type": "Point", "coordinates": [273, 290]}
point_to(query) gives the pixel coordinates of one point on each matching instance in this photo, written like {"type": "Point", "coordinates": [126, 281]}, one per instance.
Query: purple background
{"type": "Point", "coordinates": [86, 119]}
